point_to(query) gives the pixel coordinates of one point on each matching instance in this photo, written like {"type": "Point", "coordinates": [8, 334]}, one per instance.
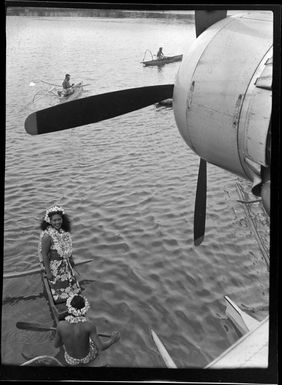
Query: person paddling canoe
{"type": "Point", "coordinates": [67, 87]}
{"type": "Point", "coordinates": [78, 335]}
{"type": "Point", "coordinates": [160, 54]}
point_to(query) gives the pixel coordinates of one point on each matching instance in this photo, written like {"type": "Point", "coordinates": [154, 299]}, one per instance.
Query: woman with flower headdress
{"type": "Point", "coordinates": [78, 335]}
{"type": "Point", "coordinates": [56, 251]}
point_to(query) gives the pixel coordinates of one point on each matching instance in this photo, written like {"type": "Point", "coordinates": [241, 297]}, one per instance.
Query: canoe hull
{"type": "Point", "coordinates": [59, 311]}
{"type": "Point", "coordinates": [161, 62]}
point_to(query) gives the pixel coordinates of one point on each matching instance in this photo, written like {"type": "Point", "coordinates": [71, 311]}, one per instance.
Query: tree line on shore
{"type": "Point", "coordinates": [120, 13]}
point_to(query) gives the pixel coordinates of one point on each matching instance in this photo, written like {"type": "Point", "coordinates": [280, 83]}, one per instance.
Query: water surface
{"type": "Point", "coordinates": [129, 186]}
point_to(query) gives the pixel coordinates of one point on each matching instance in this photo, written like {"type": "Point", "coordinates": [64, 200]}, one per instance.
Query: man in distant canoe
{"type": "Point", "coordinates": [160, 54]}
{"type": "Point", "coordinates": [79, 335]}
{"type": "Point", "coordinates": [68, 88]}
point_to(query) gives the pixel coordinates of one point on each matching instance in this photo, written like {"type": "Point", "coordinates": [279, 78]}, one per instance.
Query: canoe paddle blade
{"type": "Point", "coordinates": [37, 327]}
{"type": "Point", "coordinates": [95, 108]}
{"type": "Point", "coordinates": [33, 326]}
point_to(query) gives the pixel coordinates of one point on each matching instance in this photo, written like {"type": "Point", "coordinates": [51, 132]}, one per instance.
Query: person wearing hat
{"type": "Point", "coordinates": [67, 87]}
{"type": "Point", "coordinates": [78, 334]}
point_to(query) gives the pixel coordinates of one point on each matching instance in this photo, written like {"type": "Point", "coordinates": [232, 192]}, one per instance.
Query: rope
{"type": "Point", "coordinates": [51, 84]}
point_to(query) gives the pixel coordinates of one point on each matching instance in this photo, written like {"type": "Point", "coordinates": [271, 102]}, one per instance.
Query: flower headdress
{"type": "Point", "coordinates": [77, 312]}
{"type": "Point", "coordinates": [53, 209]}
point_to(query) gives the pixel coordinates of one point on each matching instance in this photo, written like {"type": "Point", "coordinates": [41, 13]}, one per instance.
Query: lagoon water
{"type": "Point", "coordinates": [129, 186]}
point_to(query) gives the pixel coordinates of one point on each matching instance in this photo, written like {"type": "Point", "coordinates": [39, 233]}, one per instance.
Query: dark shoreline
{"type": "Point", "coordinates": [115, 13]}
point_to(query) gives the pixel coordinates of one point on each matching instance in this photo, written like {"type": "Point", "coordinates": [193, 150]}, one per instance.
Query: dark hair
{"type": "Point", "coordinates": [66, 225]}
{"type": "Point", "coordinates": [78, 302]}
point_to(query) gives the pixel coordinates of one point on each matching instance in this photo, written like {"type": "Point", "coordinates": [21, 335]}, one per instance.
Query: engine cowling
{"type": "Point", "coordinates": [222, 95]}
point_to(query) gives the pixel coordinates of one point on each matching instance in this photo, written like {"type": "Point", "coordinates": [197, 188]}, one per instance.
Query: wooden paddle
{"type": "Point", "coordinates": [41, 328]}
{"type": "Point", "coordinates": [39, 270]}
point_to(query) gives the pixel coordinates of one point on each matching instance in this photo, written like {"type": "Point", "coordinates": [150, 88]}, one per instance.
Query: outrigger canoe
{"type": "Point", "coordinates": [160, 62]}
{"type": "Point", "coordinates": [58, 310]}
{"type": "Point", "coordinates": [77, 90]}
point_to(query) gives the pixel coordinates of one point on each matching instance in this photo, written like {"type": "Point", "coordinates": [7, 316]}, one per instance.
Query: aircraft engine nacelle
{"type": "Point", "coordinates": [222, 95]}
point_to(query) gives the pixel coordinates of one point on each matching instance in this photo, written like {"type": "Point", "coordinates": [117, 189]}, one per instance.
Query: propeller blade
{"type": "Point", "coordinates": [95, 108]}
{"type": "Point", "coordinates": [204, 19]}
{"type": "Point", "coordinates": [200, 204]}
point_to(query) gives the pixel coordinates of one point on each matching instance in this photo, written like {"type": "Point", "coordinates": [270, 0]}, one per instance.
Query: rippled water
{"type": "Point", "coordinates": [128, 185]}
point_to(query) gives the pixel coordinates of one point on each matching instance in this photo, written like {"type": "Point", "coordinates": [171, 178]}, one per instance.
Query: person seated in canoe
{"type": "Point", "coordinates": [78, 335]}
{"type": "Point", "coordinates": [160, 54]}
{"type": "Point", "coordinates": [56, 251]}
{"type": "Point", "coordinates": [67, 87]}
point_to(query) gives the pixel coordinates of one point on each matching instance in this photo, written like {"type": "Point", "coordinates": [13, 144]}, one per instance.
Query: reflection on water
{"type": "Point", "coordinates": [128, 185]}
